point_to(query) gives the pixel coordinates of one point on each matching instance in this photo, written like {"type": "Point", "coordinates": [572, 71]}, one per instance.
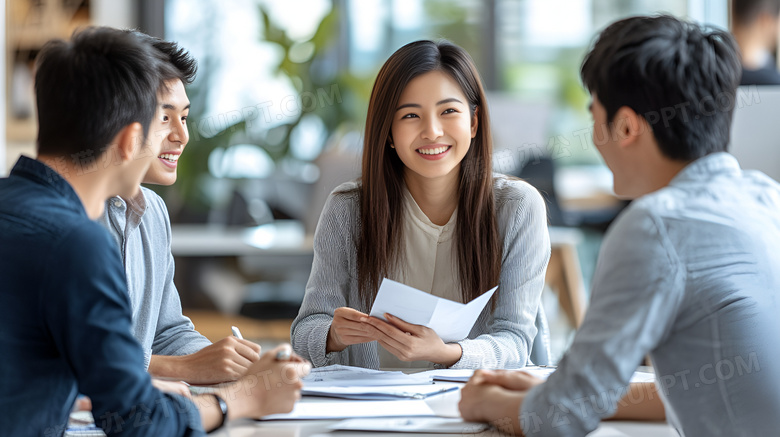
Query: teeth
{"type": "Point", "coordinates": [435, 151]}
{"type": "Point", "coordinates": [169, 157]}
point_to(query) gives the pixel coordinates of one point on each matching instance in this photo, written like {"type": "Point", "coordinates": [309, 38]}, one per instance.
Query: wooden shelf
{"type": "Point", "coordinates": [29, 25]}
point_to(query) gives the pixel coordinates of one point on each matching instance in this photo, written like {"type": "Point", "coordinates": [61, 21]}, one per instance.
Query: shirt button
{"type": "Point", "coordinates": [118, 203]}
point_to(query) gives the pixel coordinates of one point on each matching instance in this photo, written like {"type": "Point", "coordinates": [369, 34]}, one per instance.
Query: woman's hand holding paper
{"type": "Point", "coordinates": [410, 342]}
{"type": "Point", "coordinates": [346, 329]}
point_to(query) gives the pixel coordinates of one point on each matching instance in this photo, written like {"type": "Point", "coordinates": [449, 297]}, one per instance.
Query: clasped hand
{"type": "Point", "coordinates": [406, 341]}
{"type": "Point", "coordinates": [496, 396]}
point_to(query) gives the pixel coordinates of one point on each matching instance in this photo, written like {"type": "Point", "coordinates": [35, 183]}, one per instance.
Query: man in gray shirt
{"type": "Point", "coordinates": [687, 274]}
{"type": "Point", "coordinates": [141, 227]}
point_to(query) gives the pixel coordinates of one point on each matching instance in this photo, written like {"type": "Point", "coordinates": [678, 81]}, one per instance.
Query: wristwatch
{"type": "Point", "coordinates": [223, 407]}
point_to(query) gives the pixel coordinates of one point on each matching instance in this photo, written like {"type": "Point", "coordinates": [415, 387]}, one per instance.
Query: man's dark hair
{"type": "Point", "coordinates": [90, 87]}
{"type": "Point", "coordinates": [680, 77]}
{"type": "Point", "coordinates": [179, 58]}
{"type": "Point", "coordinates": [745, 12]}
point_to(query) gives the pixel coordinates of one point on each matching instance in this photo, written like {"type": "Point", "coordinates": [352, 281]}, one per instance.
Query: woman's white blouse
{"type": "Point", "coordinates": [429, 264]}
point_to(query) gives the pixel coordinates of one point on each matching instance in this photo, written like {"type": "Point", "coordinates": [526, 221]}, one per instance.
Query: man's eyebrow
{"type": "Point", "coordinates": [170, 106]}
{"type": "Point", "coordinates": [417, 105]}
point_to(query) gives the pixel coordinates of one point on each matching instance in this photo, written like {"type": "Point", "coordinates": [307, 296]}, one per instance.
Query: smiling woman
{"type": "Point", "coordinates": [433, 123]}
{"type": "Point", "coordinates": [427, 212]}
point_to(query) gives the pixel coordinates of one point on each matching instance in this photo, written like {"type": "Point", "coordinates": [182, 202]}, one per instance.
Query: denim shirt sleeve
{"type": "Point", "coordinates": [87, 313]}
{"type": "Point", "coordinates": [637, 291]}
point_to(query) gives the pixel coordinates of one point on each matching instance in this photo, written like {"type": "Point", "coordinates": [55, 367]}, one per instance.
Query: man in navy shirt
{"type": "Point", "coordinates": [64, 310]}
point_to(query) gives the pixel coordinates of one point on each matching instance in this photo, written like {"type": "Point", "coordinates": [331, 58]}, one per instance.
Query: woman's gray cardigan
{"type": "Point", "coordinates": [501, 339]}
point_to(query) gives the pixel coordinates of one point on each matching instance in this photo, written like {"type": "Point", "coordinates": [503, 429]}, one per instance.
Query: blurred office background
{"type": "Point", "coordinates": [277, 114]}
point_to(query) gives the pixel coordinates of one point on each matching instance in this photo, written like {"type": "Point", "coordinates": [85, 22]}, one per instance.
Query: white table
{"type": "Point", "coordinates": [446, 405]}
{"type": "Point", "coordinates": [280, 238]}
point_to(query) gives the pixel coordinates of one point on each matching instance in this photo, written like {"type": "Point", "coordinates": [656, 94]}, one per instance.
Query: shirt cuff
{"type": "Point", "coordinates": [188, 412]}
{"type": "Point", "coordinates": [469, 357]}
{"type": "Point", "coordinates": [543, 415]}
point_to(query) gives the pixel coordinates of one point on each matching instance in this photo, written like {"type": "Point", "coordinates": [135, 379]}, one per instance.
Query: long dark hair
{"type": "Point", "coordinates": [382, 182]}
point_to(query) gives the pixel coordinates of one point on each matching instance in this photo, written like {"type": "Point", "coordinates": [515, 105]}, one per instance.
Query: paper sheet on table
{"type": "Point", "coordinates": [338, 375]}
{"type": "Point", "coordinates": [607, 431]}
{"type": "Point", "coordinates": [81, 423]}
{"type": "Point", "coordinates": [543, 372]}
{"type": "Point", "coordinates": [422, 425]}
{"type": "Point", "coordinates": [381, 393]}
{"type": "Point", "coordinates": [451, 320]}
{"type": "Point", "coordinates": [643, 377]}
{"type": "Point", "coordinates": [452, 375]}
{"type": "Point", "coordinates": [355, 409]}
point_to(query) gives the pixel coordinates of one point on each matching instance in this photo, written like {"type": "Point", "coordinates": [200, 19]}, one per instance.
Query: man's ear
{"type": "Point", "coordinates": [128, 141]}
{"type": "Point", "coordinates": [627, 126]}
{"type": "Point", "coordinates": [474, 122]}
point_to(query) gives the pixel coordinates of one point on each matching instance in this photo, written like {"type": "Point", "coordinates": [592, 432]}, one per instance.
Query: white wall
{"type": "Point", "coordinates": [122, 14]}
{"type": "Point", "coordinates": [712, 12]}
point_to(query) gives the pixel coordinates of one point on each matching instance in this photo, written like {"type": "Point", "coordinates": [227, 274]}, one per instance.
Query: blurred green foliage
{"type": "Point", "coordinates": [186, 199]}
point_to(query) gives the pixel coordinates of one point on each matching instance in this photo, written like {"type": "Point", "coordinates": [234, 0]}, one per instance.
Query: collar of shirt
{"type": "Point", "coordinates": [126, 214]}
{"type": "Point", "coordinates": [41, 173]}
{"type": "Point", "coordinates": [704, 168]}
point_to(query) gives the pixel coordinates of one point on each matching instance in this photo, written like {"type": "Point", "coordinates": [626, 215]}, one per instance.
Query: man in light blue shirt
{"type": "Point", "coordinates": [142, 230]}
{"type": "Point", "coordinates": [687, 274]}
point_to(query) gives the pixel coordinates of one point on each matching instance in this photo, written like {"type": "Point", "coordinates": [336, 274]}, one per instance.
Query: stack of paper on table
{"type": "Point", "coordinates": [81, 423]}
{"type": "Point", "coordinates": [348, 376]}
{"type": "Point", "coordinates": [368, 384]}
{"type": "Point", "coordinates": [452, 375]}
{"type": "Point", "coordinates": [338, 379]}
{"type": "Point", "coordinates": [451, 320]}
{"type": "Point", "coordinates": [376, 393]}
{"type": "Point", "coordinates": [543, 372]}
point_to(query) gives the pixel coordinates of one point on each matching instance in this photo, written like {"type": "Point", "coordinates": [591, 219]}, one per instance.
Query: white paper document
{"type": "Point", "coordinates": [608, 431]}
{"type": "Point", "coordinates": [452, 375]}
{"type": "Point", "coordinates": [355, 409]}
{"type": "Point", "coordinates": [643, 377]}
{"type": "Point", "coordinates": [349, 376]}
{"type": "Point", "coordinates": [436, 425]}
{"type": "Point", "coordinates": [381, 393]}
{"type": "Point", "coordinates": [543, 372]}
{"type": "Point", "coordinates": [451, 320]}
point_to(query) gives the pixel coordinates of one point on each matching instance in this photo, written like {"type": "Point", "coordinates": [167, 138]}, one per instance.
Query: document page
{"type": "Point", "coordinates": [543, 372]}
{"type": "Point", "coordinates": [453, 375]}
{"type": "Point", "coordinates": [451, 320]}
{"type": "Point", "coordinates": [352, 409]}
{"type": "Point", "coordinates": [348, 376]}
{"type": "Point", "coordinates": [387, 393]}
